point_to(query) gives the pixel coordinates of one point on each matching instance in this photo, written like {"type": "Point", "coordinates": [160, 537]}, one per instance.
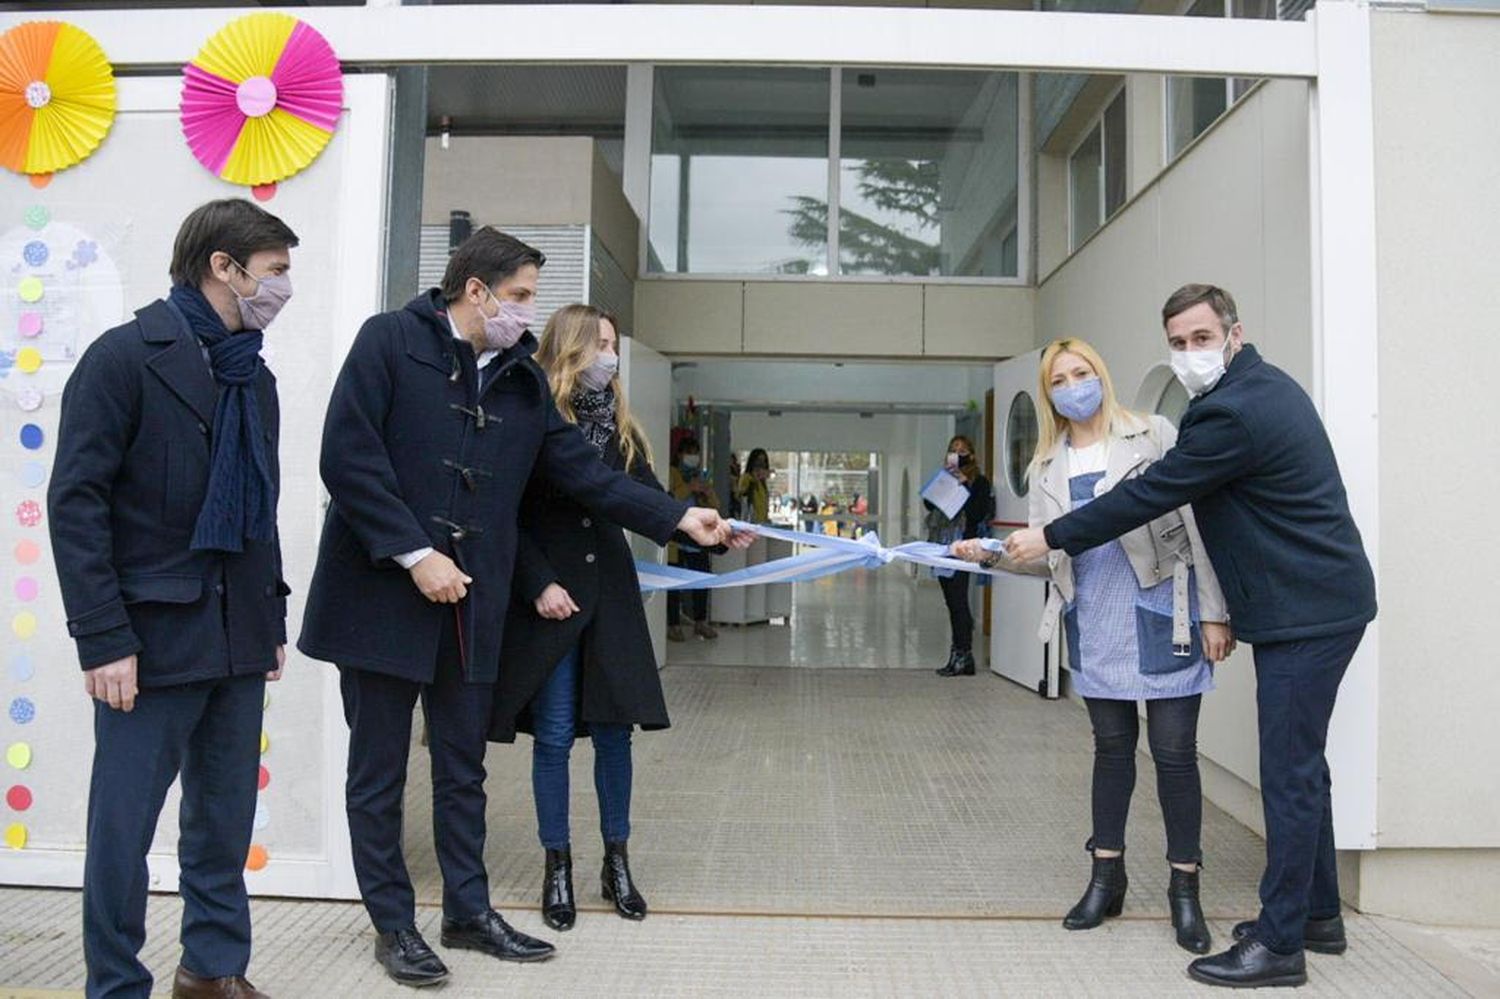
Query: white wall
{"type": "Point", "coordinates": [1232, 211]}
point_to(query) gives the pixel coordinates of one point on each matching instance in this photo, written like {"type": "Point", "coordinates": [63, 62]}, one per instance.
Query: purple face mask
{"type": "Point", "coordinates": [259, 309]}
{"type": "Point", "coordinates": [504, 328]}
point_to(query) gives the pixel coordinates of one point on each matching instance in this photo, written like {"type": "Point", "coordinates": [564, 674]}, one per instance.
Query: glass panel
{"type": "Point", "coordinates": [1114, 155]}
{"type": "Point", "coordinates": [1020, 441]}
{"type": "Point", "coordinates": [1193, 104]}
{"type": "Point", "coordinates": [739, 166]}
{"type": "Point", "coordinates": [927, 173]}
{"type": "Point", "coordinates": [1173, 401]}
{"type": "Point", "coordinates": [1084, 184]}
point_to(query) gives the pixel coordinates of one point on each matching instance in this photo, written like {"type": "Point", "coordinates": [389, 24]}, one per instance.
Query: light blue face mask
{"type": "Point", "coordinates": [1079, 401]}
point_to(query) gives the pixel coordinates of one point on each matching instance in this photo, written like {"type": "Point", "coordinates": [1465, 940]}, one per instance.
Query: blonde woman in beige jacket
{"type": "Point", "coordinates": [1144, 620]}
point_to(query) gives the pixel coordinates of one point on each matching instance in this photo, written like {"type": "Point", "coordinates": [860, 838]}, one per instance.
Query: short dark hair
{"type": "Point", "coordinates": [758, 459]}
{"type": "Point", "coordinates": [689, 443]}
{"type": "Point", "coordinates": [1189, 295]}
{"type": "Point", "coordinates": [489, 255]}
{"type": "Point", "coordinates": [234, 225]}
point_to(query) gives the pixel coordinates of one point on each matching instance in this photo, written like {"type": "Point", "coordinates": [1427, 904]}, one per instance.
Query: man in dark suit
{"type": "Point", "coordinates": [163, 520]}
{"type": "Point", "coordinates": [1255, 462]}
{"type": "Point", "coordinates": [437, 421]}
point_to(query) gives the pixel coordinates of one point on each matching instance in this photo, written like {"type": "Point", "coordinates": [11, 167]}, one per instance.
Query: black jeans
{"type": "Point", "coordinates": [960, 618]}
{"type": "Point", "coordinates": [698, 561]}
{"type": "Point", "coordinates": [1296, 684]}
{"type": "Point", "coordinates": [1172, 731]}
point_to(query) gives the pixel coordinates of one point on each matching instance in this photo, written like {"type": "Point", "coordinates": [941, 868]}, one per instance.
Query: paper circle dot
{"type": "Point", "coordinates": [38, 94]}
{"type": "Point", "coordinates": [27, 589]}
{"type": "Point", "coordinates": [265, 743]}
{"type": "Point", "coordinates": [22, 711]}
{"type": "Point", "coordinates": [18, 755]}
{"type": "Point", "coordinates": [24, 624]}
{"type": "Point", "coordinates": [18, 797]}
{"type": "Point", "coordinates": [15, 836]}
{"type": "Point", "coordinates": [30, 289]}
{"type": "Point", "coordinates": [37, 216]}
{"type": "Point", "coordinates": [30, 324]}
{"type": "Point", "coordinates": [27, 552]}
{"type": "Point", "coordinates": [35, 253]}
{"type": "Point", "coordinates": [263, 781]}
{"type": "Point", "coordinates": [33, 474]}
{"type": "Point", "coordinates": [32, 437]}
{"type": "Point", "coordinates": [29, 360]}
{"type": "Point", "coordinates": [29, 399]}
{"type": "Point", "coordinates": [257, 859]}
{"type": "Point", "coordinates": [262, 815]}
{"type": "Point", "coordinates": [40, 180]}
{"type": "Point", "coordinates": [29, 513]}
{"type": "Point", "coordinates": [256, 97]}
{"type": "Point", "coordinates": [21, 667]}
{"type": "Point", "coordinates": [263, 192]}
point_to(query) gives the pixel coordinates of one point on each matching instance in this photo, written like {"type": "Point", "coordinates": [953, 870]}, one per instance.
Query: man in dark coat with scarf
{"type": "Point", "coordinates": [163, 519]}
{"type": "Point", "coordinates": [436, 423]}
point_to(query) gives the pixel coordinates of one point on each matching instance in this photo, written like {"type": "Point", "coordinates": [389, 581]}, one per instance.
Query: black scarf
{"type": "Point", "coordinates": [241, 498]}
{"type": "Point", "coordinates": [595, 412]}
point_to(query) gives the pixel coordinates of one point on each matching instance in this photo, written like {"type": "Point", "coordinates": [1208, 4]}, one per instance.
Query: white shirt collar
{"type": "Point", "coordinates": [485, 357]}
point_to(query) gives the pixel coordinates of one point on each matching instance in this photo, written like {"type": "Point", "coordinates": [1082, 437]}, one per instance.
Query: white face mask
{"type": "Point", "coordinates": [601, 372]}
{"type": "Point", "coordinates": [1200, 370]}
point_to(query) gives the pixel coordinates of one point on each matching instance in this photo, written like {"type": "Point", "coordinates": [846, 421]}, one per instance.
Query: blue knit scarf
{"type": "Point", "coordinates": [241, 499]}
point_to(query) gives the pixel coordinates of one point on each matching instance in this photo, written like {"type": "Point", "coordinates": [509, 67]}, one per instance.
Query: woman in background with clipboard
{"type": "Point", "coordinates": [948, 522]}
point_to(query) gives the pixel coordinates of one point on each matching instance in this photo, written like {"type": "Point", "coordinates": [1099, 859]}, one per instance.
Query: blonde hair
{"type": "Point", "coordinates": [1118, 420]}
{"type": "Point", "coordinates": [569, 345]}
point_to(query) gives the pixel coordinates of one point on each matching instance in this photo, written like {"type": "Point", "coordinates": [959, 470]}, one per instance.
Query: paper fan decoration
{"type": "Point", "coordinates": [57, 96]}
{"type": "Point", "coordinates": [262, 98]}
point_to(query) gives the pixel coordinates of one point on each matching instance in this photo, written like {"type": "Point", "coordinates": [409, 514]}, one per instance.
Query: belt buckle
{"type": "Point", "coordinates": [1181, 650]}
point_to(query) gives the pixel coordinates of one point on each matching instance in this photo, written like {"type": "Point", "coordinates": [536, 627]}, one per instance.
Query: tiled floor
{"type": "Point", "coordinates": [801, 832]}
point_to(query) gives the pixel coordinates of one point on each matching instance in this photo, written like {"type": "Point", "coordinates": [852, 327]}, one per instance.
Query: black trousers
{"type": "Point", "coordinates": [209, 733]}
{"type": "Point", "coordinates": [1296, 685]}
{"type": "Point", "coordinates": [960, 618]}
{"type": "Point", "coordinates": [1172, 732]}
{"type": "Point", "coordinates": [700, 562]}
{"type": "Point", "coordinates": [378, 709]}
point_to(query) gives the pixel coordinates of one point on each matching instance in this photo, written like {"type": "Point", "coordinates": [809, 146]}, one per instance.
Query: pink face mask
{"type": "Point", "coordinates": [270, 296]}
{"type": "Point", "coordinates": [504, 328]}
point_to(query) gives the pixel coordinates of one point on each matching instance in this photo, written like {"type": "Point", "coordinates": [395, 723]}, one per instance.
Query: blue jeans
{"type": "Point", "coordinates": [1296, 684]}
{"type": "Point", "coordinates": [555, 715]}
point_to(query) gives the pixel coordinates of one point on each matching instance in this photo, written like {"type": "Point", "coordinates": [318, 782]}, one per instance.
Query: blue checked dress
{"type": "Point", "coordinates": [1120, 635]}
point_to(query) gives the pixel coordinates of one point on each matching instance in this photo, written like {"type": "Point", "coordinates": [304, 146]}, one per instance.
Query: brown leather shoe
{"type": "Point", "coordinates": [187, 985]}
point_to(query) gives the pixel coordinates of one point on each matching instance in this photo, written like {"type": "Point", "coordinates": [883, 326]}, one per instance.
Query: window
{"type": "Point", "coordinates": [1021, 435]}
{"type": "Point", "coordinates": [733, 152]}
{"type": "Point", "coordinates": [1096, 173]}
{"type": "Point", "coordinates": [1196, 102]}
{"type": "Point", "coordinates": [840, 482]}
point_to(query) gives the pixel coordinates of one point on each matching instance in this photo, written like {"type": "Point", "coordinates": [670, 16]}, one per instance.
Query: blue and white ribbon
{"type": "Point", "coordinates": [829, 555]}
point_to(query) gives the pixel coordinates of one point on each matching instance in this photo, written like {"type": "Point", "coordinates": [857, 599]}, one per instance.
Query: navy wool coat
{"type": "Point", "coordinates": [563, 543]}
{"type": "Point", "coordinates": [1255, 462]}
{"type": "Point", "coordinates": [415, 455]}
{"type": "Point", "coordinates": [130, 476]}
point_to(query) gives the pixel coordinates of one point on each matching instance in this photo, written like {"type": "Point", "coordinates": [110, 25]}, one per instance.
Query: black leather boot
{"type": "Point", "coordinates": [1187, 912]}
{"type": "Point", "coordinates": [618, 887]}
{"type": "Point", "coordinates": [1321, 936]}
{"type": "Point", "coordinates": [1105, 895]}
{"type": "Point", "coordinates": [951, 667]}
{"type": "Point", "coordinates": [965, 664]}
{"type": "Point", "coordinates": [559, 910]}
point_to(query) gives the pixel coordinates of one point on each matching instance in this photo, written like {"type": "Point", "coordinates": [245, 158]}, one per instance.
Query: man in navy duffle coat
{"type": "Point", "coordinates": [436, 423]}
{"type": "Point", "coordinates": [1255, 462]}
{"type": "Point", "coordinates": [162, 512]}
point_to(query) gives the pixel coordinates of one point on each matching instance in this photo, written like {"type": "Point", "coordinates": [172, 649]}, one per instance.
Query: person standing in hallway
{"type": "Point", "coordinates": [437, 420]}
{"type": "Point", "coordinates": [1145, 621]}
{"type": "Point", "coordinates": [162, 511]}
{"type": "Point", "coordinates": [1254, 461]}
{"type": "Point", "coordinates": [972, 521]}
{"type": "Point", "coordinates": [754, 487]}
{"type": "Point", "coordinates": [688, 481]}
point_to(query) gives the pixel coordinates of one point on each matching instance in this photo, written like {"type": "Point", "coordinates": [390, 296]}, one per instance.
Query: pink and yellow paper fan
{"type": "Point", "coordinates": [262, 99]}
{"type": "Point", "coordinates": [57, 96]}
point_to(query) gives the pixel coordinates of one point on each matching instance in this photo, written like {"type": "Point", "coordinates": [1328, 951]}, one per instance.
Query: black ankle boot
{"type": "Point", "coordinates": [1105, 895]}
{"type": "Point", "coordinates": [965, 664]}
{"type": "Point", "coordinates": [559, 910]}
{"type": "Point", "coordinates": [951, 667]}
{"type": "Point", "coordinates": [1187, 913]}
{"type": "Point", "coordinates": [618, 887]}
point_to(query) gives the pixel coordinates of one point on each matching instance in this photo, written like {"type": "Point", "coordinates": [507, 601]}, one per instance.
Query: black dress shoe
{"type": "Point", "coordinates": [490, 934]}
{"type": "Point", "coordinates": [618, 887]}
{"type": "Point", "coordinates": [1321, 936]}
{"type": "Point", "coordinates": [559, 910]}
{"type": "Point", "coordinates": [406, 957]}
{"type": "Point", "coordinates": [1187, 912]}
{"type": "Point", "coordinates": [1105, 895]}
{"type": "Point", "coordinates": [1250, 964]}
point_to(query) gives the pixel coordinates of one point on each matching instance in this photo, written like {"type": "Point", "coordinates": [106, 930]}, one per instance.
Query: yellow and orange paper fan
{"type": "Point", "coordinates": [57, 96]}
{"type": "Point", "coordinates": [262, 99]}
